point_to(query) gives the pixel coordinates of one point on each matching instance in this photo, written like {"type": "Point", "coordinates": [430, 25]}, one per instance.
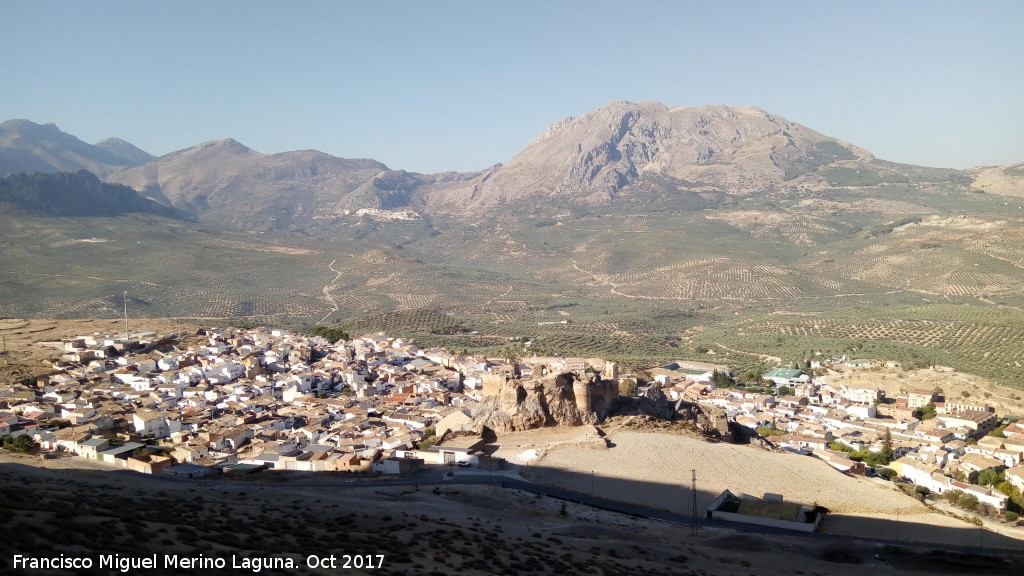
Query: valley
{"type": "Point", "coordinates": [637, 232]}
{"type": "Point", "coordinates": [722, 284]}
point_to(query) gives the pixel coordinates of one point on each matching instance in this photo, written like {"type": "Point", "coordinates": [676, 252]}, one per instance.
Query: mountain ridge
{"type": "Point", "coordinates": [79, 193]}
{"type": "Point", "coordinates": [593, 161]}
{"type": "Point", "coordinates": [26, 146]}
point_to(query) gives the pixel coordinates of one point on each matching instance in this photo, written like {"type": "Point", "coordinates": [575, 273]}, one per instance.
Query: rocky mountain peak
{"type": "Point", "coordinates": [591, 157]}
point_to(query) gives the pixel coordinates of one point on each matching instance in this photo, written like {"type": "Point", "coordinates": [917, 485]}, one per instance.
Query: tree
{"type": "Point", "coordinates": [721, 379]}
{"type": "Point", "coordinates": [429, 438]}
{"type": "Point", "coordinates": [990, 477]}
{"type": "Point", "coordinates": [886, 453]}
{"type": "Point", "coordinates": [927, 412]}
{"type": "Point", "coordinates": [24, 444]}
{"type": "Point", "coordinates": [998, 432]}
{"type": "Point", "coordinates": [331, 334]}
{"type": "Point", "coordinates": [513, 355]}
{"type": "Point", "coordinates": [785, 391]}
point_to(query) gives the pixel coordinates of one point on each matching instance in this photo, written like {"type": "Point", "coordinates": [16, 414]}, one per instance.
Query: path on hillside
{"type": "Point", "coordinates": [613, 287]}
{"type": "Point", "coordinates": [775, 359]}
{"type": "Point", "coordinates": [86, 277]}
{"type": "Point", "coordinates": [327, 291]}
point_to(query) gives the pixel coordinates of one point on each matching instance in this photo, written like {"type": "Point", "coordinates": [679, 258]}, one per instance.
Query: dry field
{"type": "Point", "coordinates": [667, 459]}
{"type": "Point", "coordinates": [654, 469]}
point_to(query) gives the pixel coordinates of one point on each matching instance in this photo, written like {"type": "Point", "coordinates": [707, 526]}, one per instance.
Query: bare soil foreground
{"type": "Point", "coordinates": [50, 509]}
{"type": "Point", "coordinates": [655, 469]}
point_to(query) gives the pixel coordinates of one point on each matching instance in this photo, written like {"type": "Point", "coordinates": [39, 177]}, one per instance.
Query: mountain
{"type": "Point", "coordinates": [601, 160]}
{"type": "Point", "coordinates": [228, 182]}
{"type": "Point", "coordinates": [78, 193]}
{"type": "Point", "coordinates": [593, 158]}
{"type": "Point", "coordinates": [29, 147]}
{"type": "Point", "coordinates": [126, 152]}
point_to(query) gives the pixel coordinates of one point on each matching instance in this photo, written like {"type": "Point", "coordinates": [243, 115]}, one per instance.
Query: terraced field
{"type": "Point", "coordinates": [725, 280]}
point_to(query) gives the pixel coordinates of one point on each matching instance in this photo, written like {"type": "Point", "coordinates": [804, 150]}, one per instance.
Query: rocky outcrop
{"type": "Point", "coordinates": [710, 421]}
{"type": "Point", "coordinates": [566, 399]}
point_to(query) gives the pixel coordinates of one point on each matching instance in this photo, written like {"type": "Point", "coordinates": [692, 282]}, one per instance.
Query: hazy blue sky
{"type": "Point", "coordinates": [431, 85]}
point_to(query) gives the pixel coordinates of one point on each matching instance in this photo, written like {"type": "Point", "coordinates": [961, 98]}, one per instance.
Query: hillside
{"type": "Point", "coordinates": [29, 147]}
{"type": "Point", "coordinates": [78, 193]}
{"type": "Point", "coordinates": [226, 182]}
{"type": "Point", "coordinates": [1002, 180]}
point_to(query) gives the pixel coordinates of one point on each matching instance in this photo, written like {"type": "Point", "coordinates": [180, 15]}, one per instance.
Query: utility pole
{"type": "Point", "coordinates": [127, 333]}
{"type": "Point", "coordinates": [693, 495]}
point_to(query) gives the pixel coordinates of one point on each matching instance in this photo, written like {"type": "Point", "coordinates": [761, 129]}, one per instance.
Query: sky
{"type": "Point", "coordinates": [430, 86]}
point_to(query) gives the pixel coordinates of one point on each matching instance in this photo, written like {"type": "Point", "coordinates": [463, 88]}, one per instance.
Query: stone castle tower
{"type": "Point", "coordinates": [611, 371]}
{"type": "Point", "coordinates": [582, 391]}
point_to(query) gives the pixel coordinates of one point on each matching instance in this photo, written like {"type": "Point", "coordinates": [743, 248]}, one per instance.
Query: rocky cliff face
{"type": "Point", "coordinates": [567, 399]}
{"type": "Point", "coordinates": [710, 421]}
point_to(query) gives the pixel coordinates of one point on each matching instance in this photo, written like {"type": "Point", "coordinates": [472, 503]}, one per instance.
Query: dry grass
{"type": "Point", "coordinates": [654, 470]}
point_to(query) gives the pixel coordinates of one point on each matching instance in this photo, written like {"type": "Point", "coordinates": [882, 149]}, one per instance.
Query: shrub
{"type": "Point", "coordinates": [766, 431]}
{"type": "Point", "coordinates": [1011, 516]}
{"type": "Point", "coordinates": [968, 502]}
